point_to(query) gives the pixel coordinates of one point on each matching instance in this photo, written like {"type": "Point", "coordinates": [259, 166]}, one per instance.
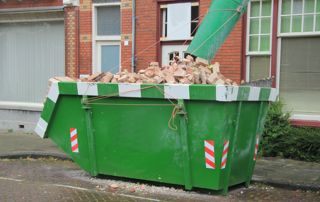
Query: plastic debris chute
{"type": "Point", "coordinates": [222, 17]}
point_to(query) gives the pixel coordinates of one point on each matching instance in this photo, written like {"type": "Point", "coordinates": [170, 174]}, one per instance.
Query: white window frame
{"type": "Point", "coordinates": [257, 53]}
{"type": "Point", "coordinates": [164, 6]}
{"type": "Point", "coordinates": [301, 117]}
{"type": "Point", "coordinates": [297, 34]}
{"type": "Point", "coordinates": [97, 41]}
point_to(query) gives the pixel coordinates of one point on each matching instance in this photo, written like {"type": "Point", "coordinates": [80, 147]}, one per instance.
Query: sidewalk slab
{"type": "Point", "coordinates": [287, 172]}
{"type": "Point", "coordinates": [15, 144]}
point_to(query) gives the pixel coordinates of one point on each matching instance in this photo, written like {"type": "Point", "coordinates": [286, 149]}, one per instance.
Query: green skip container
{"type": "Point", "coordinates": [198, 136]}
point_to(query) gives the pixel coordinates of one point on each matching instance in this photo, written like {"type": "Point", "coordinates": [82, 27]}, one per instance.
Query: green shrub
{"type": "Point", "coordinates": [282, 139]}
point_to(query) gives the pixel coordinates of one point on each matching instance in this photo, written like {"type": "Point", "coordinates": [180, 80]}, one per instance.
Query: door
{"type": "Point", "coordinates": [30, 54]}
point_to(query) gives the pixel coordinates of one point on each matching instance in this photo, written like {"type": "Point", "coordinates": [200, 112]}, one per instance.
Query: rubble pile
{"type": "Point", "coordinates": [185, 71]}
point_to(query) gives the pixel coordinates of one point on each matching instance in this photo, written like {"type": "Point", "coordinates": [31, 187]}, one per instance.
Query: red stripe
{"type": "Point", "coordinates": [223, 163]}
{"type": "Point", "coordinates": [210, 142]}
{"type": "Point", "coordinates": [75, 147]}
{"type": "Point", "coordinates": [72, 129]}
{"type": "Point", "coordinates": [225, 151]}
{"type": "Point", "coordinates": [208, 151]}
{"type": "Point", "coordinates": [212, 164]}
{"type": "Point", "coordinates": [73, 138]}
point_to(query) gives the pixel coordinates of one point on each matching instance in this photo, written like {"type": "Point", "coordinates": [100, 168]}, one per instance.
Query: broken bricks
{"type": "Point", "coordinates": [185, 71]}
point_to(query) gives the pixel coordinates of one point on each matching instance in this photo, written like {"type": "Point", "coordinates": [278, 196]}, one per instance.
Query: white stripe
{"type": "Point", "coordinates": [254, 94]}
{"type": "Point", "coordinates": [273, 95]}
{"type": "Point", "coordinates": [257, 141]}
{"type": "Point", "coordinates": [224, 157]}
{"type": "Point", "coordinates": [74, 142]}
{"type": "Point", "coordinates": [211, 158]}
{"type": "Point", "coordinates": [10, 179]}
{"type": "Point", "coordinates": [177, 91]}
{"type": "Point", "coordinates": [85, 88]}
{"type": "Point", "coordinates": [226, 145]}
{"type": "Point", "coordinates": [76, 151]}
{"type": "Point", "coordinates": [129, 90]}
{"type": "Point", "coordinates": [209, 166]}
{"type": "Point", "coordinates": [209, 146]}
{"type": "Point", "coordinates": [54, 92]}
{"type": "Point", "coordinates": [138, 197]}
{"type": "Point", "coordinates": [227, 93]}
{"type": "Point", "coordinates": [39, 131]}
{"type": "Point", "coordinates": [71, 187]}
{"type": "Point", "coordinates": [41, 127]}
{"type": "Point", "coordinates": [73, 133]}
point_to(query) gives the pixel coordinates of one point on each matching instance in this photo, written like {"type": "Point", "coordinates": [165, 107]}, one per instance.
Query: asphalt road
{"type": "Point", "coordinates": [55, 180]}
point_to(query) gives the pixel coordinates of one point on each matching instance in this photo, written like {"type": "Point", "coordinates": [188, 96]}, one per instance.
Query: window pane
{"type": "Point", "coordinates": [286, 6]}
{"type": "Point", "coordinates": [318, 22]}
{"type": "Point", "coordinates": [254, 43]}
{"type": "Point", "coordinates": [297, 7]}
{"type": "Point", "coordinates": [259, 67]}
{"type": "Point", "coordinates": [194, 26]}
{"type": "Point", "coordinates": [285, 24]}
{"type": "Point", "coordinates": [194, 13]}
{"type": "Point", "coordinates": [299, 75]}
{"type": "Point", "coordinates": [255, 9]}
{"type": "Point", "coordinates": [254, 26]}
{"type": "Point", "coordinates": [265, 43]}
{"type": "Point", "coordinates": [296, 23]}
{"type": "Point", "coordinates": [318, 6]}
{"type": "Point", "coordinates": [308, 23]}
{"type": "Point", "coordinates": [266, 8]}
{"type": "Point", "coordinates": [110, 58]}
{"type": "Point", "coordinates": [309, 6]}
{"type": "Point", "coordinates": [265, 25]}
{"type": "Point", "coordinates": [108, 20]}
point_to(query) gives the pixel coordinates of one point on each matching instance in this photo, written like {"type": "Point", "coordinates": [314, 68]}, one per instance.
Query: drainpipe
{"type": "Point", "coordinates": [133, 57]}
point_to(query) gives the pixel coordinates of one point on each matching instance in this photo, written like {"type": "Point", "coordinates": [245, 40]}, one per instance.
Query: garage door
{"type": "Point", "coordinates": [30, 54]}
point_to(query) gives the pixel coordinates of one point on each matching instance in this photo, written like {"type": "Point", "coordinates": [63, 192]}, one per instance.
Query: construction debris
{"type": "Point", "coordinates": [186, 71]}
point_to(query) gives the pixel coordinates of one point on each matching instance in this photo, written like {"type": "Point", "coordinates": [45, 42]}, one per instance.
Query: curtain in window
{"type": "Point", "coordinates": [179, 21]}
{"type": "Point", "coordinates": [300, 75]}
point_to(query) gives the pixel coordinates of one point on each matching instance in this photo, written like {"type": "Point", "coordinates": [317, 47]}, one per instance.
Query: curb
{"type": "Point", "coordinates": [35, 155]}
{"type": "Point", "coordinates": [304, 187]}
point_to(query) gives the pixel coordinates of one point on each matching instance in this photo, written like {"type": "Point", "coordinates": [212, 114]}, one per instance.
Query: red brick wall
{"type": "Point", "coordinates": [85, 31]}
{"type": "Point", "coordinates": [147, 39]}
{"type": "Point", "coordinates": [29, 3]}
{"type": "Point", "coordinates": [71, 41]}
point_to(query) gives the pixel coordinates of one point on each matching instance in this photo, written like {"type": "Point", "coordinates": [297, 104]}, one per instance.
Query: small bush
{"type": "Point", "coordinates": [282, 139]}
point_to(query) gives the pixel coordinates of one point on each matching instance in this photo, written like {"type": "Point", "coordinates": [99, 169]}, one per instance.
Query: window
{"type": "Point", "coordinates": [180, 17]}
{"type": "Point", "coordinates": [106, 37]}
{"type": "Point", "coordinates": [300, 16]}
{"type": "Point", "coordinates": [259, 39]}
{"type": "Point", "coordinates": [108, 21]}
{"type": "Point", "coordinates": [299, 75]}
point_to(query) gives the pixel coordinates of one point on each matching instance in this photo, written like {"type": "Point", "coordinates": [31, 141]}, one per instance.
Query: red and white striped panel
{"type": "Point", "coordinates": [74, 140]}
{"type": "Point", "coordinates": [256, 149]}
{"type": "Point", "coordinates": [224, 154]}
{"type": "Point", "coordinates": [209, 154]}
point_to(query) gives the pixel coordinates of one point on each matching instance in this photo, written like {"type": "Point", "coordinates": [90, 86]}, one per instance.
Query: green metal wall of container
{"type": "Point", "coordinates": [125, 133]}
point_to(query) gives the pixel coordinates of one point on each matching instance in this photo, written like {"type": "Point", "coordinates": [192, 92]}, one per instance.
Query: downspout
{"type": "Point", "coordinates": [133, 57]}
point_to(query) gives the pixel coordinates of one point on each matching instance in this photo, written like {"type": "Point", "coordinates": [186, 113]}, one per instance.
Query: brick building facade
{"type": "Point", "coordinates": [275, 38]}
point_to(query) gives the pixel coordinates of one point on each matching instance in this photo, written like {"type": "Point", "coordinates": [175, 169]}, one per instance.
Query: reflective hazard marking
{"type": "Point", "coordinates": [256, 149]}
{"type": "Point", "coordinates": [224, 154]}
{"type": "Point", "coordinates": [209, 154]}
{"type": "Point", "coordinates": [74, 140]}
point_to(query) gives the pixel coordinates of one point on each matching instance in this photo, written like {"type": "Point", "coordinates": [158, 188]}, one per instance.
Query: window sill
{"type": "Point", "coordinates": [169, 40]}
{"type": "Point", "coordinates": [37, 107]}
{"type": "Point", "coordinates": [305, 120]}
